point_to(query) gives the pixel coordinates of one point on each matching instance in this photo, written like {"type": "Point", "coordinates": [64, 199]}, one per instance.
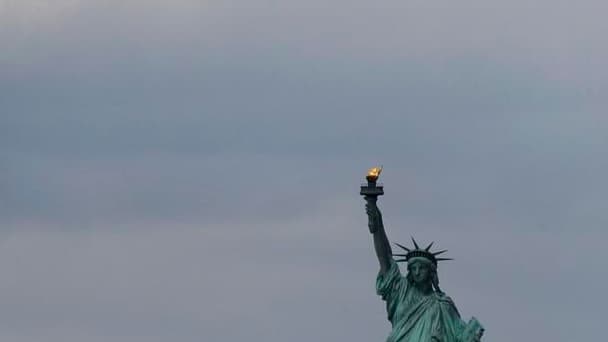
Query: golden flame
{"type": "Point", "coordinates": [374, 173]}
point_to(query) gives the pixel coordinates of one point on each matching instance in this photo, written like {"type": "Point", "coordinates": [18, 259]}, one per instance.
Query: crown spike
{"type": "Point", "coordinates": [407, 249]}
{"type": "Point", "coordinates": [415, 244]}
{"type": "Point", "coordinates": [442, 259]}
{"type": "Point", "coordinates": [440, 252]}
{"type": "Point", "coordinates": [428, 248]}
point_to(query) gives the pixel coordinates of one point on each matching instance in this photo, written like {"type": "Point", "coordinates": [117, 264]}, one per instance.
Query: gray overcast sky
{"type": "Point", "coordinates": [189, 170]}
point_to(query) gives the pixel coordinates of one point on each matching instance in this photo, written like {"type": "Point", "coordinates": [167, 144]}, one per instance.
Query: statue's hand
{"type": "Point", "coordinates": [372, 210]}
{"type": "Point", "coordinates": [374, 216]}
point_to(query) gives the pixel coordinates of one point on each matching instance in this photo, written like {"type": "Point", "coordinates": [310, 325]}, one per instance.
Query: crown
{"type": "Point", "coordinates": [418, 252]}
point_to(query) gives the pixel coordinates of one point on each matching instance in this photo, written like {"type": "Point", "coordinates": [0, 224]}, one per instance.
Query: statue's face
{"type": "Point", "coordinates": [420, 272]}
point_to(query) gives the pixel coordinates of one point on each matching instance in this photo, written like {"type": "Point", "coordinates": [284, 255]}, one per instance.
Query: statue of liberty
{"type": "Point", "coordinates": [417, 308]}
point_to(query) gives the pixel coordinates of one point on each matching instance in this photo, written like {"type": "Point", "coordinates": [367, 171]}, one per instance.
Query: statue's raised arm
{"type": "Point", "coordinates": [370, 192]}
{"type": "Point", "coordinates": [376, 227]}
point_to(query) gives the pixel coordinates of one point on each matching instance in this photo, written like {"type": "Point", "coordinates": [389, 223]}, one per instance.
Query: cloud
{"type": "Point", "coordinates": [191, 170]}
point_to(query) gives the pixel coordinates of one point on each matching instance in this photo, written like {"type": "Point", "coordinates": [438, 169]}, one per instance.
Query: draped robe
{"type": "Point", "coordinates": [418, 317]}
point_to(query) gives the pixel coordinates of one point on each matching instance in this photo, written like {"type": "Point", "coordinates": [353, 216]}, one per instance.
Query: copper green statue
{"type": "Point", "coordinates": [417, 308]}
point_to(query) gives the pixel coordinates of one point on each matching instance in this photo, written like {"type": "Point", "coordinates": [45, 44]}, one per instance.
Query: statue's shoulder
{"type": "Point", "coordinates": [442, 297]}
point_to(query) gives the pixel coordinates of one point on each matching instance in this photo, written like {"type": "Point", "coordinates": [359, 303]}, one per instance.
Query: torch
{"type": "Point", "coordinates": [371, 191]}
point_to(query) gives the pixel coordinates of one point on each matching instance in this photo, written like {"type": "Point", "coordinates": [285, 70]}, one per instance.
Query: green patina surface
{"type": "Point", "coordinates": [422, 317]}
{"type": "Point", "coordinates": [417, 308]}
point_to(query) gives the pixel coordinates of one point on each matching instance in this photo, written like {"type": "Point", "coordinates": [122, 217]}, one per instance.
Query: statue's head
{"type": "Point", "coordinates": [421, 271]}
{"type": "Point", "coordinates": [422, 265]}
